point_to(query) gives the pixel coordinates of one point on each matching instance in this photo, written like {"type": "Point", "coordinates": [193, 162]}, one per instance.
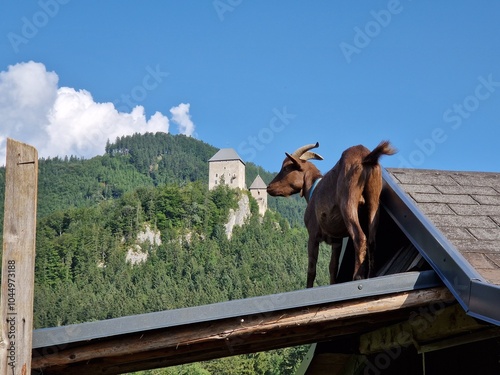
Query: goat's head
{"type": "Point", "coordinates": [294, 171]}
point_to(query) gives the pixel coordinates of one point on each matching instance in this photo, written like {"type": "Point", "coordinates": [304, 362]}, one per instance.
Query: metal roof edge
{"type": "Point", "coordinates": [472, 292]}
{"type": "Point", "coordinates": [482, 294]}
{"type": "Point", "coordinates": [61, 336]}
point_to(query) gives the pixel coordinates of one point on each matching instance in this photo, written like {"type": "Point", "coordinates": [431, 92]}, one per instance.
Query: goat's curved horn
{"type": "Point", "coordinates": [311, 155]}
{"type": "Point", "coordinates": [302, 153]}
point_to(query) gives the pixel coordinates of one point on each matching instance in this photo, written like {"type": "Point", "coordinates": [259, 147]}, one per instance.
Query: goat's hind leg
{"type": "Point", "coordinates": [312, 252]}
{"type": "Point", "coordinates": [359, 240]}
{"type": "Point", "coordinates": [372, 201]}
{"type": "Point", "coordinates": [334, 261]}
{"type": "Point", "coordinates": [372, 233]}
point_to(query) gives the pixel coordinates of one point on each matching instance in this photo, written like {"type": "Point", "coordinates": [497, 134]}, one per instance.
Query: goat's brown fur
{"type": "Point", "coordinates": [350, 191]}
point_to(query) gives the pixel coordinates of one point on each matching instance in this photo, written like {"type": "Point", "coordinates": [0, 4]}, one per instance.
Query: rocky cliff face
{"type": "Point", "coordinates": [238, 216]}
{"type": "Point", "coordinates": [137, 254]}
{"type": "Point", "coordinates": [149, 237]}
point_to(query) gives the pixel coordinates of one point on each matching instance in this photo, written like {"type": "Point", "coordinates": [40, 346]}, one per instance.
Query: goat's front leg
{"type": "Point", "coordinates": [334, 261]}
{"type": "Point", "coordinates": [312, 252]}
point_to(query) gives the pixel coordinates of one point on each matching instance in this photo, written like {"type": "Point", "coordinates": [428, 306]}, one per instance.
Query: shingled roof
{"type": "Point", "coordinates": [226, 154]}
{"type": "Point", "coordinates": [258, 183]}
{"type": "Point", "coordinates": [461, 211]}
{"type": "Point", "coordinates": [465, 206]}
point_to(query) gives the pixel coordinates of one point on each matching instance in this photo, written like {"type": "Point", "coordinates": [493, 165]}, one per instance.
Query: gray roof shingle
{"type": "Point", "coordinates": [258, 183]}
{"type": "Point", "coordinates": [225, 154]}
{"type": "Point", "coordinates": [465, 207]}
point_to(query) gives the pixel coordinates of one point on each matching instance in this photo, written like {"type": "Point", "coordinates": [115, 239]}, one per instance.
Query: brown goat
{"type": "Point", "coordinates": [348, 193]}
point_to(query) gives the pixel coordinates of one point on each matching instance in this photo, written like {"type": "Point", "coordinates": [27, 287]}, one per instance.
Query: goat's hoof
{"type": "Point", "coordinates": [358, 277]}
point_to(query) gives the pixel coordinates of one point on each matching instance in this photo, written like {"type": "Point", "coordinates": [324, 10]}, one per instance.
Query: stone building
{"type": "Point", "coordinates": [258, 189]}
{"type": "Point", "coordinates": [227, 167]}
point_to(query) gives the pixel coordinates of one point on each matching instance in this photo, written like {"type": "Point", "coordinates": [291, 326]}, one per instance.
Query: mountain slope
{"type": "Point", "coordinates": [131, 162]}
{"type": "Point", "coordinates": [91, 213]}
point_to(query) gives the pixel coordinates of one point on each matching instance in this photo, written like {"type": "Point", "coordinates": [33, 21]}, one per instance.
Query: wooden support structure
{"type": "Point", "coordinates": [18, 259]}
{"type": "Point", "coordinates": [231, 336]}
{"type": "Point", "coordinates": [425, 330]}
{"type": "Point", "coordinates": [428, 330]}
{"type": "Point", "coordinates": [402, 345]}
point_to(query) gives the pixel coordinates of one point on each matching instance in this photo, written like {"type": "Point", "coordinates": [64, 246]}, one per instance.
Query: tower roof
{"type": "Point", "coordinates": [226, 154]}
{"type": "Point", "coordinates": [258, 183]}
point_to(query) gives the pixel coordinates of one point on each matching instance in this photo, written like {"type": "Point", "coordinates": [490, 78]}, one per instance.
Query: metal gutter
{"type": "Point", "coordinates": [477, 297]}
{"type": "Point", "coordinates": [61, 336]}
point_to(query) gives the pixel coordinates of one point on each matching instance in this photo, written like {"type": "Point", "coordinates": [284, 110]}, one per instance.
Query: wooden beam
{"type": "Point", "coordinates": [425, 325]}
{"type": "Point", "coordinates": [466, 338]}
{"type": "Point", "coordinates": [226, 337]}
{"type": "Point", "coordinates": [18, 258]}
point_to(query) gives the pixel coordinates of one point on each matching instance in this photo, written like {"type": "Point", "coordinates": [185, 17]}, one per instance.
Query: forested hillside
{"type": "Point", "coordinates": [131, 162]}
{"type": "Point", "coordinates": [92, 211]}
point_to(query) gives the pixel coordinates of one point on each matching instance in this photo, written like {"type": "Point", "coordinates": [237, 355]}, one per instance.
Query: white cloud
{"type": "Point", "coordinates": [61, 121]}
{"type": "Point", "coordinates": [81, 126]}
{"type": "Point", "coordinates": [181, 116]}
{"type": "Point", "coordinates": [27, 92]}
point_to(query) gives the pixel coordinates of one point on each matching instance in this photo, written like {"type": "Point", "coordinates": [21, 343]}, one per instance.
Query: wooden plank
{"type": "Point", "coordinates": [226, 337]}
{"type": "Point", "coordinates": [423, 326]}
{"type": "Point", "coordinates": [18, 259]}
{"type": "Point", "coordinates": [480, 335]}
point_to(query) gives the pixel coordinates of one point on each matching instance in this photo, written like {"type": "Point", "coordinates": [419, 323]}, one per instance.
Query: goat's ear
{"type": "Point", "coordinates": [294, 160]}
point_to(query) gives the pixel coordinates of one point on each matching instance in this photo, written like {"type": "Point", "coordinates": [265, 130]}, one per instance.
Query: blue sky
{"type": "Point", "coordinates": [261, 77]}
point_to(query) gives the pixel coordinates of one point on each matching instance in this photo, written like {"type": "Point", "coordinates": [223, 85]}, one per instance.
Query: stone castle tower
{"type": "Point", "coordinates": [258, 189]}
{"type": "Point", "coordinates": [227, 167]}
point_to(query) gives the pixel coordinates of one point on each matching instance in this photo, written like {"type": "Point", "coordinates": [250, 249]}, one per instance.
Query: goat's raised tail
{"type": "Point", "coordinates": [384, 148]}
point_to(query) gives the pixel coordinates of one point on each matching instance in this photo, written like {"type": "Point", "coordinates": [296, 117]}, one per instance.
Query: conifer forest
{"type": "Point", "coordinates": [148, 194]}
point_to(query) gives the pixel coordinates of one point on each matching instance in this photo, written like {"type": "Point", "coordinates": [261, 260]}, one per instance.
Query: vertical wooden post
{"type": "Point", "coordinates": [18, 259]}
